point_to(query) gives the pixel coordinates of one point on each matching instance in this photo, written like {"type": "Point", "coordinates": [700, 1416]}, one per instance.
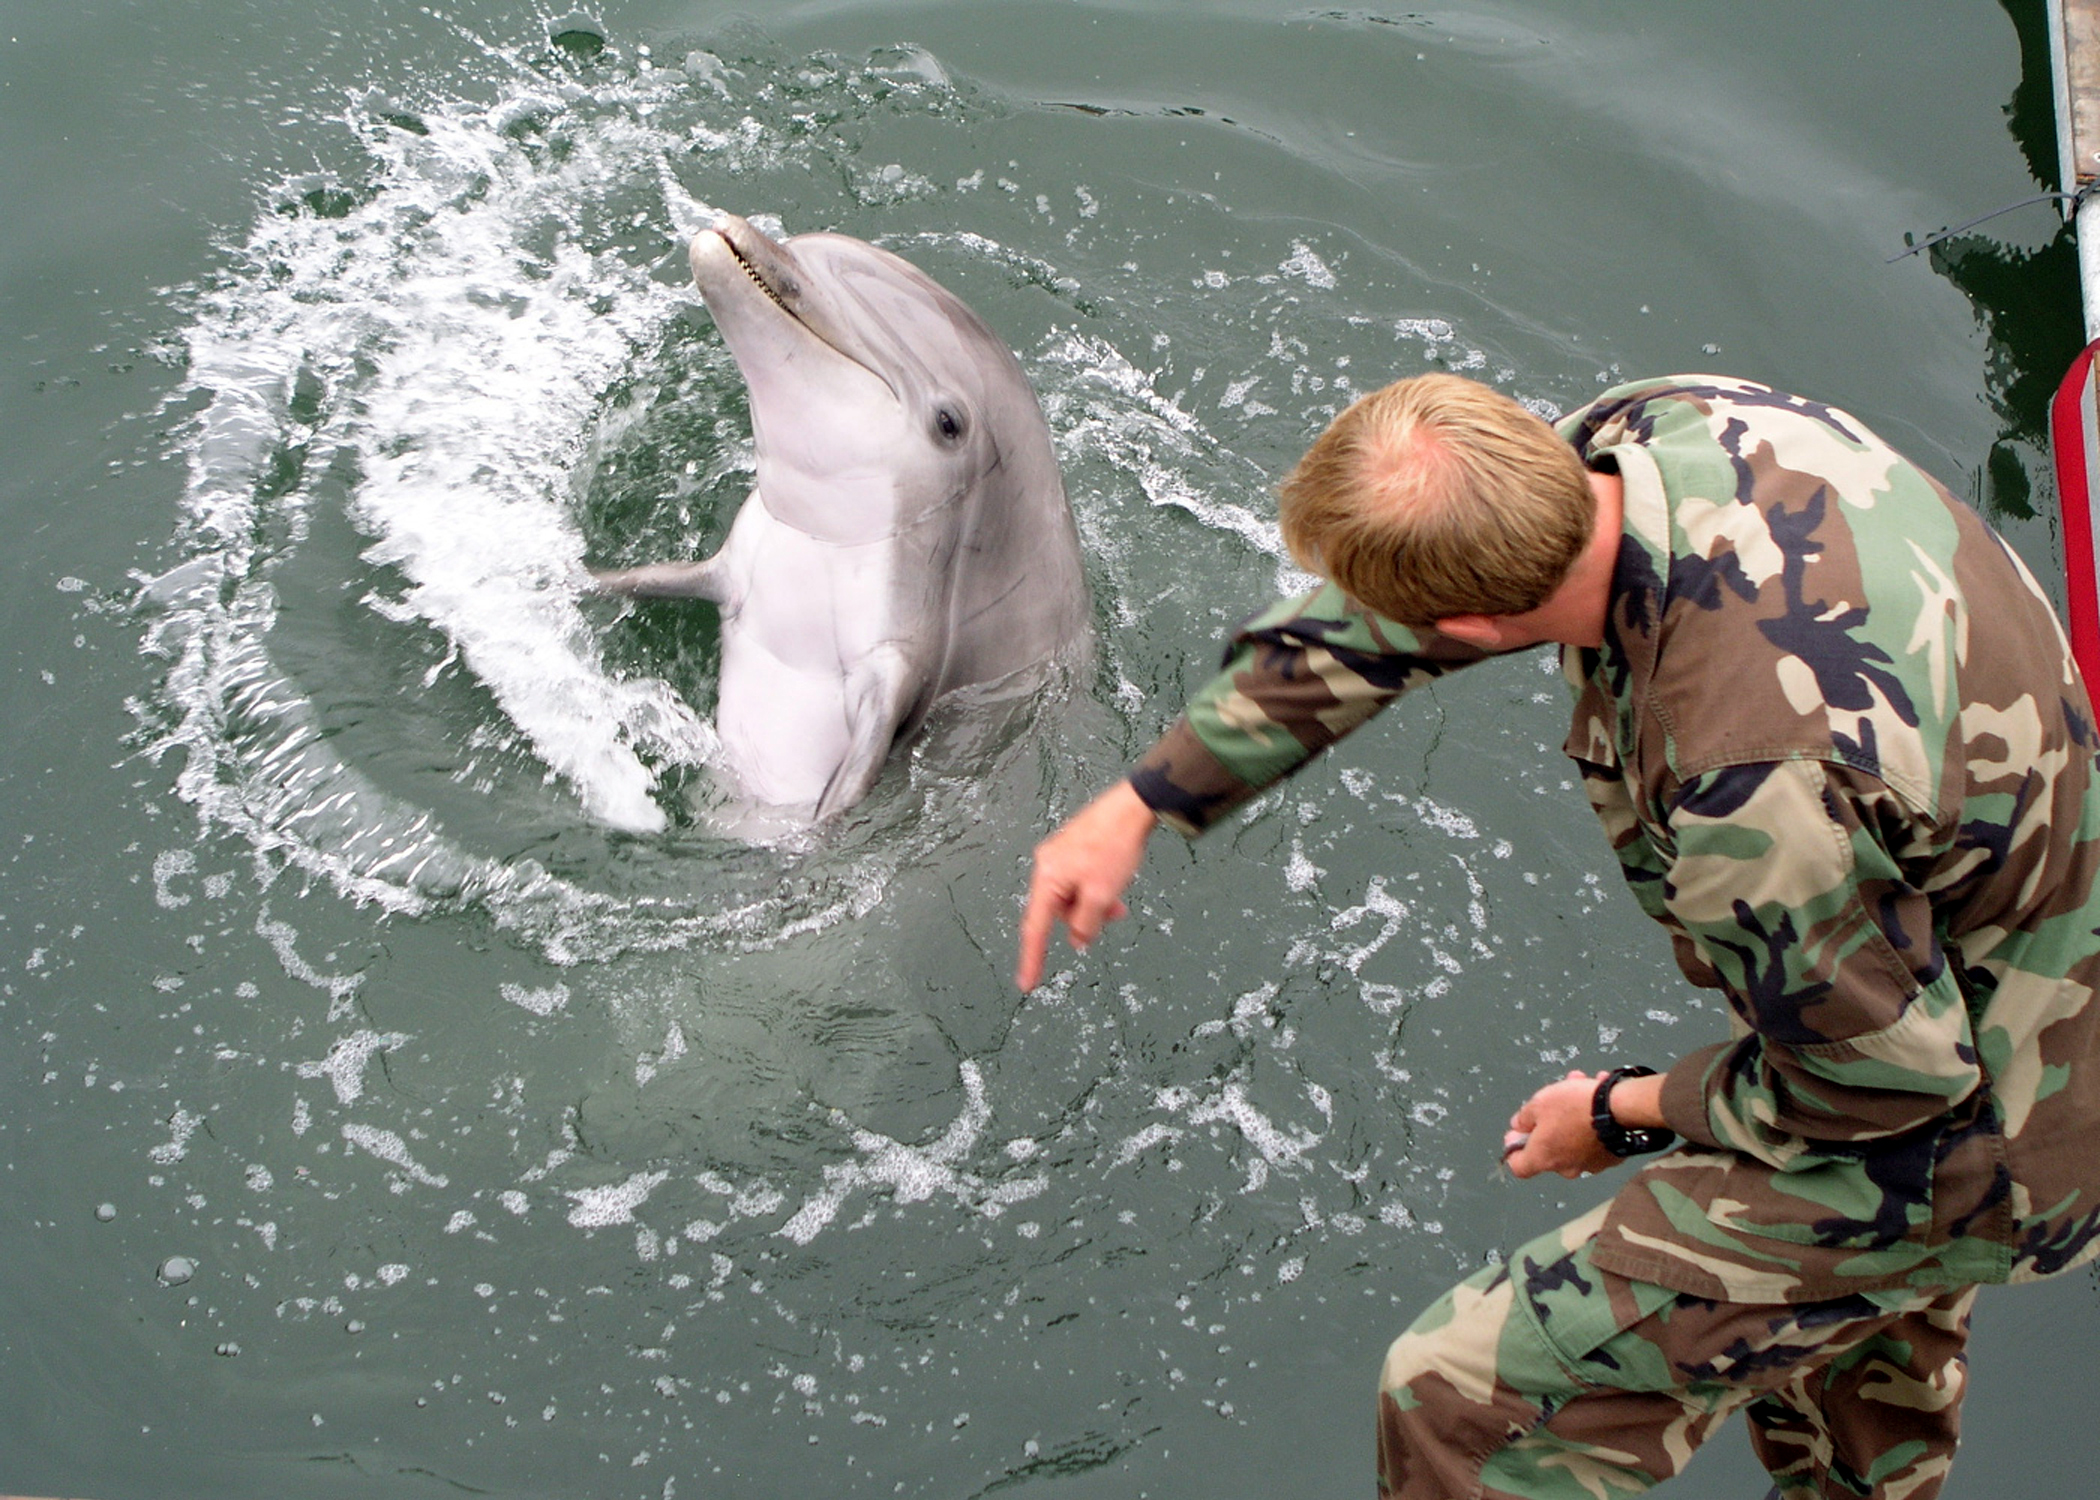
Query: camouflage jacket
{"type": "Point", "coordinates": [1836, 740]}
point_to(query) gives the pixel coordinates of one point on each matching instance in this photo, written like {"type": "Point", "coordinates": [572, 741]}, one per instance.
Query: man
{"type": "Point", "coordinates": [1834, 735]}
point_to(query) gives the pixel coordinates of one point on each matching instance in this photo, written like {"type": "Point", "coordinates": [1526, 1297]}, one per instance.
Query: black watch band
{"type": "Point", "coordinates": [1618, 1139]}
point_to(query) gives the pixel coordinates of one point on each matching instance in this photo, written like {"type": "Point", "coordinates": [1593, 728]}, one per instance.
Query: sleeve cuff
{"type": "Point", "coordinates": [1684, 1093]}
{"type": "Point", "coordinates": [1183, 781]}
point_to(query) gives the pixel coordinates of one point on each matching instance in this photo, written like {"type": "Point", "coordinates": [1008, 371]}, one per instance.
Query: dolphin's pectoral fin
{"type": "Point", "coordinates": [879, 693]}
{"type": "Point", "coordinates": [705, 579]}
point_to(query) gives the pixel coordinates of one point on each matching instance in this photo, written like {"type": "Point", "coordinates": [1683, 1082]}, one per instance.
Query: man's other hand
{"type": "Point", "coordinates": [1081, 872]}
{"type": "Point", "coordinates": [1552, 1132]}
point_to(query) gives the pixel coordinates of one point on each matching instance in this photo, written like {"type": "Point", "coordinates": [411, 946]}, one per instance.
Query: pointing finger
{"type": "Point", "coordinates": [1044, 907]}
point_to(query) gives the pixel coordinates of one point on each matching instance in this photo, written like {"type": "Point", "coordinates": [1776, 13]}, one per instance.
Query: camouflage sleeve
{"type": "Point", "coordinates": [1297, 677]}
{"type": "Point", "coordinates": [1788, 879]}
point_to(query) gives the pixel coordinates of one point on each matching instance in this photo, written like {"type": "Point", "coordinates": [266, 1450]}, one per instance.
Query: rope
{"type": "Point", "coordinates": [2076, 199]}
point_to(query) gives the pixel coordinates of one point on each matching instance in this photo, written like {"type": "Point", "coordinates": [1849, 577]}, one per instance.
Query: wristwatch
{"type": "Point", "coordinates": [1620, 1140]}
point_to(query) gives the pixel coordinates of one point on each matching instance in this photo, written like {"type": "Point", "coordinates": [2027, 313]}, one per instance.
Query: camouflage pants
{"type": "Point", "coordinates": [1550, 1379]}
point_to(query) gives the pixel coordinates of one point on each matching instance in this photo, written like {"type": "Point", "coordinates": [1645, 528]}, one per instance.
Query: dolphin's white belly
{"type": "Point", "coordinates": [805, 613]}
{"type": "Point", "coordinates": [783, 731]}
{"type": "Point", "coordinates": [930, 548]}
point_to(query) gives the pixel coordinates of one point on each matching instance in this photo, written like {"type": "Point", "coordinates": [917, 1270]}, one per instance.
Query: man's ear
{"type": "Point", "coordinates": [1484, 631]}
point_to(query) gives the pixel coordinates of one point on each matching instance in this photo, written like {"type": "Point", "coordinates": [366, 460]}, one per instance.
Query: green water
{"type": "Point", "coordinates": [515, 1154]}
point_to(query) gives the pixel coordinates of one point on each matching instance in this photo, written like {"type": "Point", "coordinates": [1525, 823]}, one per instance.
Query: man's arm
{"type": "Point", "coordinates": [1856, 1027]}
{"type": "Point", "coordinates": [1297, 677]}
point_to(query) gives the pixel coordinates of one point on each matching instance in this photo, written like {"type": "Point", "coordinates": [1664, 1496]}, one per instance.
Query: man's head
{"type": "Point", "coordinates": [1438, 497]}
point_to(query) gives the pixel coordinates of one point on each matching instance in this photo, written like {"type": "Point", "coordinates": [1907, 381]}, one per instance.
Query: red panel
{"type": "Point", "coordinates": [2074, 431]}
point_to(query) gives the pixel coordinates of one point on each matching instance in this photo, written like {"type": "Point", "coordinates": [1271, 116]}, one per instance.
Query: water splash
{"type": "Point", "coordinates": [448, 341]}
{"type": "Point", "coordinates": [440, 352]}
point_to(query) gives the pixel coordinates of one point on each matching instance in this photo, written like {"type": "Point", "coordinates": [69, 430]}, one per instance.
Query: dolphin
{"type": "Point", "coordinates": [908, 534]}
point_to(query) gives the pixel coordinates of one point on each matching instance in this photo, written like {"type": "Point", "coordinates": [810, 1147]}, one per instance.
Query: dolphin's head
{"type": "Point", "coordinates": [877, 397]}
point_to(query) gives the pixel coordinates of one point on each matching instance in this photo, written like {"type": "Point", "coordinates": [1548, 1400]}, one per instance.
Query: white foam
{"type": "Point", "coordinates": [390, 1148]}
{"type": "Point", "coordinates": [646, 1066]}
{"type": "Point", "coordinates": [344, 1066]}
{"type": "Point", "coordinates": [1431, 331]}
{"type": "Point", "coordinates": [600, 1206]}
{"type": "Point", "coordinates": [168, 866]}
{"type": "Point", "coordinates": [283, 937]}
{"type": "Point", "coordinates": [1448, 820]}
{"type": "Point", "coordinates": [757, 1200]}
{"type": "Point", "coordinates": [914, 1174]}
{"type": "Point", "coordinates": [1134, 1146]}
{"type": "Point", "coordinates": [1305, 265]}
{"type": "Point", "coordinates": [1278, 1146]}
{"type": "Point", "coordinates": [181, 1126]}
{"type": "Point", "coordinates": [1157, 441]}
{"type": "Point", "coordinates": [1300, 873]}
{"type": "Point", "coordinates": [1377, 902]}
{"type": "Point", "coordinates": [541, 1002]}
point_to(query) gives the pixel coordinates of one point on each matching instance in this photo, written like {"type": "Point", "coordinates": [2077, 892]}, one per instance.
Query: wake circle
{"type": "Point", "coordinates": [380, 664]}
{"type": "Point", "coordinates": [425, 389]}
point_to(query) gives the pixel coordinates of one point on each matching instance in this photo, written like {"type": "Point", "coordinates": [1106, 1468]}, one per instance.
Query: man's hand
{"type": "Point", "coordinates": [1081, 872]}
{"type": "Point", "coordinates": [1551, 1131]}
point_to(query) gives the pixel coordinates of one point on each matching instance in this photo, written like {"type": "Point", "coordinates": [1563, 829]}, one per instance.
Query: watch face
{"type": "Point", "coordinates": [1620, 1140]}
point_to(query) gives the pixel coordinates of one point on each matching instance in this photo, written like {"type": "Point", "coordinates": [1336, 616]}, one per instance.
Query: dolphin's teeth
{"type": "Point", "coordinates": [751, 271]}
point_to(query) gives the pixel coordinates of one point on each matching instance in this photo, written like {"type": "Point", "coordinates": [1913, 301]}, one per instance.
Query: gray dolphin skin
{"type": "Point", "coordinates": [908, 534]}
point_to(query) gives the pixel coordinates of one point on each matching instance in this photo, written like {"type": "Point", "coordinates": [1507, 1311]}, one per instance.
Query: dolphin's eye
{"type": "Point", "coordinates": [949, 423]}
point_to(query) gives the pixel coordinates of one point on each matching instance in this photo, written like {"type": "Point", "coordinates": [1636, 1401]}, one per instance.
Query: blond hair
{"type": "Point", "coordinates": [1435, 497]}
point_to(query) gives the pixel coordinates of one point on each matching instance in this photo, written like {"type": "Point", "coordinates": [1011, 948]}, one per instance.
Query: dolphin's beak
{"type": "Point", "coordinates": [769, 266]}
{"type": "Point", "coordinates": [733, 247]}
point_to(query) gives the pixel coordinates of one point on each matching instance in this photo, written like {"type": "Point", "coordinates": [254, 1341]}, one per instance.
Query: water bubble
{"type": "Point", "coordinates": [176, 1270]}
{"type": "Point", "coordinates": [105, 1211]}
{"type": "Point", "coordinates": [578, 33]}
